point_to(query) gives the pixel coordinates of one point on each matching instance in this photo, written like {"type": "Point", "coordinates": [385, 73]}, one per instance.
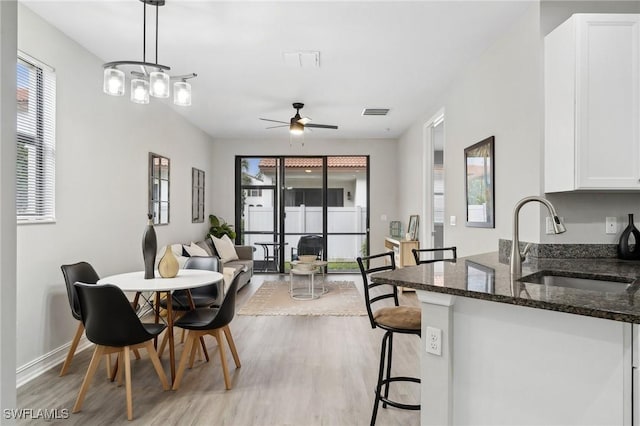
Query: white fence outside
{"type": "Point", "coordinates": [308, 220]}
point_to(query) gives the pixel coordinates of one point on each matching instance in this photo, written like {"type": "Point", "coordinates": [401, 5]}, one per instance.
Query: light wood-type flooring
{"type": "Point", "coordinates": [296, 370]}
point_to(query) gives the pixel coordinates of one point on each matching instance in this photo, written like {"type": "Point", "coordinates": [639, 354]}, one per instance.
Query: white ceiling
{"type": "Point", "coordinates": [373, 54]}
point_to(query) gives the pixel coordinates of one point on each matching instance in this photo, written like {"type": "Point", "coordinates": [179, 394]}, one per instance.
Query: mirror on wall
{"type": "Point", "coordinates": [197, 195]}
{"type": "Point", "coordinates": [159, 176]}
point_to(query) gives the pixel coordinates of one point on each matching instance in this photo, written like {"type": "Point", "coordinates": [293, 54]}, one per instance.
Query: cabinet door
{"type": "Point", "coordinates": [608, 101]}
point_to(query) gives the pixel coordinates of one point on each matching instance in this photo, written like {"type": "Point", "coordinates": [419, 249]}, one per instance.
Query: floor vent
{"type": "Point", "coordinates": [375, 111]}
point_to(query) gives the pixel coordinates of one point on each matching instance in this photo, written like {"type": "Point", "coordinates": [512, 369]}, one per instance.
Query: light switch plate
{"type": "Point", "coordinates": [452, 220]}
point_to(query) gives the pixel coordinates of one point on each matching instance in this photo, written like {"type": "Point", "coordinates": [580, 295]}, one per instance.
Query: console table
{"type": "Point", "coordinates": [402, 253]}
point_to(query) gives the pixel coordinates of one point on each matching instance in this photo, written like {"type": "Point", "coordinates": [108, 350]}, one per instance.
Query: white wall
{"type": "Point", "coordinates": [8, 40]}
{"type": "Point", "coordinates": [102, 147]}
{"type": "Point", "coordinates": [499, 94]}
{"type": "Point", "coordinates": [383, 185]}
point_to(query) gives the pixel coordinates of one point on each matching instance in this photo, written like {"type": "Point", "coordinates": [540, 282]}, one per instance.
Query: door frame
{"type": "Point", "coordinates": [427, 231]}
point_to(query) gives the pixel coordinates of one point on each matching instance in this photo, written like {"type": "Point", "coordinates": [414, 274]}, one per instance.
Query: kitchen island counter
{"type": "Point", "coordinates": [485, 277]}
{"type": "Point", "coordinates": [514, 352]}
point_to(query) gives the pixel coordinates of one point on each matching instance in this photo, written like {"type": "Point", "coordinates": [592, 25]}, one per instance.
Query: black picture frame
{"type": "Point", "coordinates": [479, 190]}
{"type": "Point", "coordinates": [412, 229]}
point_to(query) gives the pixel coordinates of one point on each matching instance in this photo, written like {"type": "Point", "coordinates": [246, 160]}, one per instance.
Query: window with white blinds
{"type": "Point", "coordinates": [36, 143]}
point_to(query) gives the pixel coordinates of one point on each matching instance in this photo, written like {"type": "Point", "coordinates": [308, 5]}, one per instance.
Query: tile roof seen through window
{"type": "Point", "coordinates": [306, 162]}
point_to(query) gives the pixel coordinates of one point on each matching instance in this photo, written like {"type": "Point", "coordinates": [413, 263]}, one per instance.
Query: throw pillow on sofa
{"type": "Point", "coordinates": [225, 248]}
{"type": "Point", "coordinates": [195, 250]}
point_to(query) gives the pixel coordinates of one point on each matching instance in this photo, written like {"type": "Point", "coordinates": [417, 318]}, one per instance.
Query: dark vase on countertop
{"type": "Point", "coordinates": [149, 249]}
{"type": "Point", "coordinates": [624, 249]}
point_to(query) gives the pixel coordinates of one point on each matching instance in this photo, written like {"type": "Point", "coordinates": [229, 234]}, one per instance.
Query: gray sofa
{"type": "Point", "coordinates": [244, 264]}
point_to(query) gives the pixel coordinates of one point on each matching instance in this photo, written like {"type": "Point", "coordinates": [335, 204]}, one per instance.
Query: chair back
{"type": "Point", "coordinates": [438, 255]}
{"type": "Point", "coordinates": [385, 291]}
{"type": "Point", "coordinates": [108, 317]}
{"type": "Point", "coordinates": [82, 272]}
{"type": "Point", "coordinates": [310, 245]}
{"type": "Point", "coordinates": [227, 309]}
{"type": "Point", "coordinates": [211, 263]}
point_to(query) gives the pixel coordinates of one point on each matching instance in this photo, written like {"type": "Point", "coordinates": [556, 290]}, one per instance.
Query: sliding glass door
{"type": "Point", "coordinates": [303, 205]}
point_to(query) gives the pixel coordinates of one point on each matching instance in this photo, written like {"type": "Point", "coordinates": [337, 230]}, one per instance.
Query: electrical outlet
{"type": "Point", "coordinates": [434, 341]}
{"type": "Point", "coordinates": [549, 225]}
{"type": "Point", "coordinates": [611, 225]}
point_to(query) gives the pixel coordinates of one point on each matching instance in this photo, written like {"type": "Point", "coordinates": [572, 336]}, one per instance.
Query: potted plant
{"type": "Point", "coordinates": [220, 227]}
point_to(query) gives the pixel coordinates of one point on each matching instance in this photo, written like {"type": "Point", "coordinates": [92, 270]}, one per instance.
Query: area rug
{"type": "Point", "coordinates": [272, 298]}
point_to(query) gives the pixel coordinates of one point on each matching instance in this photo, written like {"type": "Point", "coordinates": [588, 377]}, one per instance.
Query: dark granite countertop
{"type": "Point", "coordinates": [485, 277]}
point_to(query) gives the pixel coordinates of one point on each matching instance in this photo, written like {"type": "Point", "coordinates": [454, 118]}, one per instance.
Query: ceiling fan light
{"type": "Point", "coordinates": [182, 93]}
{"type": "Point", "coordinates": [159, 84]}
{"type": "Point", "coordinates": [139, 91]}
{"type": "Point", "coordinates": [113, 83]}
{"type": "Point", "coordinates": [296, 128]}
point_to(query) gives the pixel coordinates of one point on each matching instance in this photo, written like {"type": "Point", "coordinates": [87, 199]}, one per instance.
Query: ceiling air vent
{"type": "Point", "coordinates": [375, 111]}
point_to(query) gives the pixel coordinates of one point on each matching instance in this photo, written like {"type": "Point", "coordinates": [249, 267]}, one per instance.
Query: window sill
{"type": "Point", "coordinates": [35, 221]}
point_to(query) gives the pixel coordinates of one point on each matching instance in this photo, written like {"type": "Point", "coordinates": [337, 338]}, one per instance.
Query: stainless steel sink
{"type": "Point", "coordinates": [600, 283]}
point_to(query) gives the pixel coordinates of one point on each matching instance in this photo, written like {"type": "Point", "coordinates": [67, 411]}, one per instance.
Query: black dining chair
{"type": "Point", "coordinates": [80, 272]}
{"type": "Point", "coordinates": [84, 272]}
{"type": "Point", "coordinates": [209, 321]}
{"type": "Point", "coordinates": [112, 324]}
{"type": "Point", "coordinates": [438, 255]}
{"type": "Point", "coordinates": [391, 319]}
{"type": "Point", "coordinates": [203, 297]}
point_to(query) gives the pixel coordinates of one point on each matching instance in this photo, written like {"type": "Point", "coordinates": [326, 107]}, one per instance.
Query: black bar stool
{"type": "Point", "coordinates": [392, 319]}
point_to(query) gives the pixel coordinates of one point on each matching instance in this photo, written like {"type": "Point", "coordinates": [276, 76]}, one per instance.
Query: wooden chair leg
{"type": "Point", "coordinates": [163, 344]}
{"type": "Point", "coordinates": [191, 339]}
{"type": "Point", "coordinates": [121, 367]}
{"type": "Point", "coordinates": [110, 372]}
{"type": "Point", "coordinates": [223, 358]}
{"type": "Point", "coordinates": [194, 349]}
{"type": "Point", "coordinates": [232, 345]}
{"type": "Point", "coordinates": [91, 371]}
{"type": "Point", "coordinates": [136, 353]}
{"type": "Point", "coordinates": [127, 381]}
{"type": "Point", "coordinates": [114, 370]}
{"type": "Point", "coordinates": [72, 349]}
{"type": "Point", "coordinates": [156, 364]}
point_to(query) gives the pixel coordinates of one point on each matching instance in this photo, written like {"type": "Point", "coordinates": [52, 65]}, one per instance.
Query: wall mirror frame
{"type": "Point", "coordinates": [197, 195]}
{"type": "Point", "coordinates": [479, 172]}
{"type": "Point", "coordinates": [159, 188]}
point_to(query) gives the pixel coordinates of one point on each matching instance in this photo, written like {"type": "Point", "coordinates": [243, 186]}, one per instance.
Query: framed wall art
{"type": "Point", "coordinates": [479, 171]}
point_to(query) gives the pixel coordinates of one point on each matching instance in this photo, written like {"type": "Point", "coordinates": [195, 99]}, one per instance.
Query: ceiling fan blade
{"type": "Point", "coordinates": [321, 126]}
{"type": "Point", "coordinates": [304, 121]}
{"type": "Point", "coordinates": [274, 127]}
{"type": "Point", "coordinates": [275, 121]}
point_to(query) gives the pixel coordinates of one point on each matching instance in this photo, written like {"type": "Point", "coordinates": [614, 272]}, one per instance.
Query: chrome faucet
{"type": "Point", "coordinates": [516, 256]}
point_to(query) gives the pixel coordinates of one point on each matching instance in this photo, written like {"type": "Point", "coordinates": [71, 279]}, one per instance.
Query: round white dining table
{"type": "Point", "coordinates": [186, 279]}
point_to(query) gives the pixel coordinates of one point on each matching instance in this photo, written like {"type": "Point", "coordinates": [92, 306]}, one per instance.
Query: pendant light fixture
{"type": "Point", "coordinates": [147, 78]}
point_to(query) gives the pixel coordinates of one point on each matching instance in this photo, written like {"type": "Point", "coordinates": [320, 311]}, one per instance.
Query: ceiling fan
{"type": "Point", "coordinates": [297, 123]}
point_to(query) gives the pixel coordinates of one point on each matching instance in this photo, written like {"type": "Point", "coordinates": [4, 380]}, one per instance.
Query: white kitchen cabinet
{"type": "Point", "coordinates": [592, 103]}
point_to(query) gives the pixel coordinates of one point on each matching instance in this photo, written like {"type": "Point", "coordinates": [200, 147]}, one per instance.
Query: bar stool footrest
{"type": "Point", "coordinates": [387, 401]}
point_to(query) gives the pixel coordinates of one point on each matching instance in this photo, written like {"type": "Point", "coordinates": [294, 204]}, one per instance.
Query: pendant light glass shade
{"type": "Point", "coordinates": [113, 83]}
{"type": "Point", "coordinates": [139, 91]}
{"type": "Point", "coordinates": [159, 84]}
{"type": "Point", "coordinates": [182, 93]}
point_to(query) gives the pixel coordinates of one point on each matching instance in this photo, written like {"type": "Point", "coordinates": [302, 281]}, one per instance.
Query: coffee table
{"type": "Point", "coordinates": [310, 270]}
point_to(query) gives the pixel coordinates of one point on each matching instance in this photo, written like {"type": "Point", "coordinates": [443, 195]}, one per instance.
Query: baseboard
{"type": "Point", "coordinates": [46, 362]}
